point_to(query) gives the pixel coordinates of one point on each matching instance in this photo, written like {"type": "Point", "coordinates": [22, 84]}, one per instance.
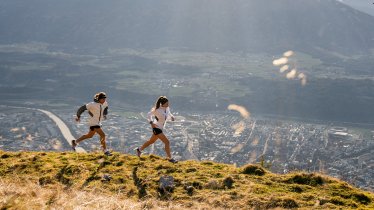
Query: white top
{"type": "Point", "coordinates": [97, 111]}
{"type": "Point", "coordinates": [159, 116]}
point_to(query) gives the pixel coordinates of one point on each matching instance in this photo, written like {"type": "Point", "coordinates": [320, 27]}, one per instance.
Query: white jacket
{"type": "Point", "coordinates": [159, 116]}
{"type": "Point", "coordinates": [97, 111]}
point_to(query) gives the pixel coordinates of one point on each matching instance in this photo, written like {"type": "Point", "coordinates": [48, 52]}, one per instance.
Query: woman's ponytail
{"type": "Point", "coordinates": [161, 100]}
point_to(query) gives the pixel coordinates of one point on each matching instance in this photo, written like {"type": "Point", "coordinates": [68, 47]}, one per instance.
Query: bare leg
{"type": "Point", "coordinates": [167, 144]}
{"type": "Point", "coordinates": [149, 142]}
{"type": "Point", "coordinates": [90, 134]}
{"type": "Point", "coordinates": [102, 138]}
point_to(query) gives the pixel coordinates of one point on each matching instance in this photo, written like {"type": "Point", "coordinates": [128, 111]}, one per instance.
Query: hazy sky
{"type": "Point", "coordinates": [363, 5]}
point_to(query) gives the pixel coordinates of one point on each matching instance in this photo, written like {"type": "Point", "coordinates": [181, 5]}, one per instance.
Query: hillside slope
{"type": "Point", "coordinates": [91, 181]}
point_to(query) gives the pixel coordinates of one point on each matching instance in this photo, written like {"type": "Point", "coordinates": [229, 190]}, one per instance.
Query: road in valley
{"type": "Point", "coordinates": [65, 131]}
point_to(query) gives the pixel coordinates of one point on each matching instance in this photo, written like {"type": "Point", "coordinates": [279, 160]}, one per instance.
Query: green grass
{"type": "Point", "coordinates": [196, 183]}
{"type": "Point", "coordinates": [364, 132]}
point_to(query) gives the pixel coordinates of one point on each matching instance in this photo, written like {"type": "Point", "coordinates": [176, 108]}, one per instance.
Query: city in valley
{"type": "Point", "coordinates": [279, 145]}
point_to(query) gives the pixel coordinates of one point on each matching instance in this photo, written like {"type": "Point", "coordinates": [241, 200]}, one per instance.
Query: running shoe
{"type": "Point", "coordinates": [73, 144]}
{"type": "Point", "coordinates": [107, 153]}
{"type": "Point", "coordinates": [172, 160]}
{"type": "Point", "coordinates": [138, 152]}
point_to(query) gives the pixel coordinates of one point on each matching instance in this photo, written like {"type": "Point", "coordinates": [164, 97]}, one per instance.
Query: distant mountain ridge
{"type": "Point", "coordinates": [219, 25]}
{"type": "Point", "coordinates": [362, 5]}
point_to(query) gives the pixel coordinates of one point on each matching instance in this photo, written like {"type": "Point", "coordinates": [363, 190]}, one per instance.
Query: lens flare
{"type": "Point", "coordinates": [252, 157]}
{"type": "Point", "coordinates": [284, 68]}
{"type": "Point", "coordinates": [14, 130]}
{"type": "Point", "coordinates": [255, 142]}
{"type": "Point", "coordinates": [239, 128]}
{"type": "Point", "coordinates": [288, 53]}
{"type": "Point", "coordinates": [237, 148]}
{"type": "Point", "coordinates": [242, 110]}
{"type": "Point", "coordinates": [280, 61]}
{"type": "Point", "coordinates": [287, 64]}
{"type": "Point", "coordinates": [303, 81]}
{"type": "Point", "coordinates": [291, 74]}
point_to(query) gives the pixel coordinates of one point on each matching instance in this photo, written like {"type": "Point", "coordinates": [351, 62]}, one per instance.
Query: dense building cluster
{"type": "Point", "coordinates": [279, 145]}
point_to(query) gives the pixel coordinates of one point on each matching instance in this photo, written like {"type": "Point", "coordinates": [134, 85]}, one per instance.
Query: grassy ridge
{"type": "Point", "coordinates": [135, 181]}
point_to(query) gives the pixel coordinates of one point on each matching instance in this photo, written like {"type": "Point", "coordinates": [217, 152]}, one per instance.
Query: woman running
{"type": "Point", "coordinates": [98, 110]}
{"type": "Point", "coordinates": [157, 118]}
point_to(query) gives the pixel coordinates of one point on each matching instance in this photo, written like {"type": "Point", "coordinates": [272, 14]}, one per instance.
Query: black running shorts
{"type": "Point", "coordinates": [156, 131]}
{"type": "Point", "coordinates": [92, 128]}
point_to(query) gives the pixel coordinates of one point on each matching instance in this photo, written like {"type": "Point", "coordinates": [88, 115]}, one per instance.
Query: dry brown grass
{"type": "Point", "coordinates": [17, 194]}
{"type": "Point", "coordinates": [20, 194]}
